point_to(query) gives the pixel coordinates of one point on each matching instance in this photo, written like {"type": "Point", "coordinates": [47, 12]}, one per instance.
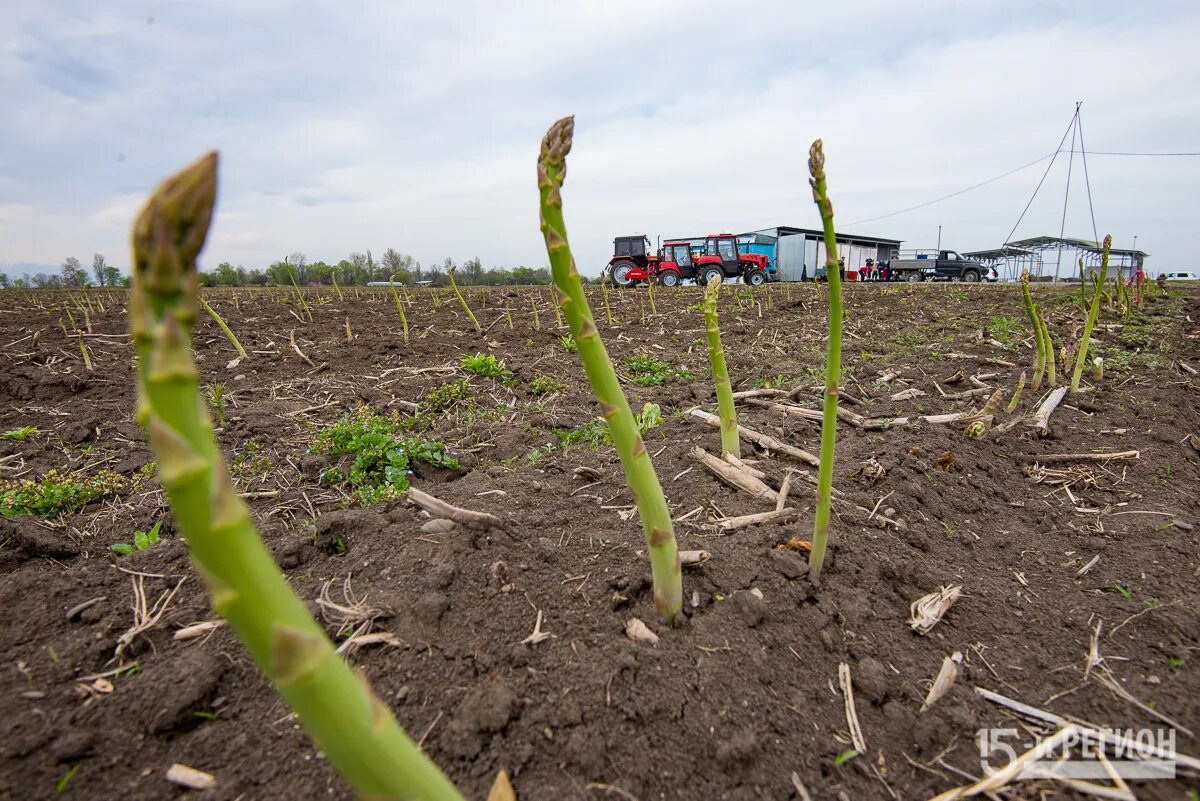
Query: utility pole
{"type": "Point", "coordinates": [939, 240]}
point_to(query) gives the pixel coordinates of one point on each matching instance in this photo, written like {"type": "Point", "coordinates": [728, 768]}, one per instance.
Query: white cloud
{"type": "Point", "coordinates": [415, 126]}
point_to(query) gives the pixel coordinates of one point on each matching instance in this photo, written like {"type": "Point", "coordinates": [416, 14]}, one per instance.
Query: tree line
{"type": "Point", "coordinates": [358, 268]}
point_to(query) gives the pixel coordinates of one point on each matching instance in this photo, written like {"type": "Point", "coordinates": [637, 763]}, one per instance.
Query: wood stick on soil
{"type": "Point", "coordinates": [1041, 420]}
{"type": "Point", "coordinates": [845, 415]}
{"type": "Point", "coordinates": [736, 477]}
{"type": "Point", "coordinates": [295, 347]}
{"type": "Point", "coordinates": [466, 517]}
{"type": "Point", "coordinates": [765, 440]}
{"type": "Point", "coordinates": [744, 521]}
{"type": "Point", "coordinates": [1052, 458]}
{"type": "Point", "coordinates": [847, 686]}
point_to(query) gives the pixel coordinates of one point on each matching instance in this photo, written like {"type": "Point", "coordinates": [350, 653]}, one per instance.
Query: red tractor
{"type": "Point", "coordinates": [715, 258]}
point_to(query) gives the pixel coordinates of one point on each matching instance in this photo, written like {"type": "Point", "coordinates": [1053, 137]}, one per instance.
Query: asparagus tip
{"type": "Point", "coordinates": [171, 228]}
{"type": "Point", "coordinates": [557, 143]}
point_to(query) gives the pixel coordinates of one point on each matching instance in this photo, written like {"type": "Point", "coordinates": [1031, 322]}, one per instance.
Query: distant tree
{"type": "Point", "coordinates": [226, 275]}
{"type": "Point", "coordinates": [42, 280]}
{"type": "Point", "coordinates": [21, 283]}
{"type": "Point", "coordinates": [72, 273]}
{"type": "Point", "coordinates": [112, 276]}
{"type": "Point", "coordinates": [298, 263]}
{"type": "Point", "coordinates": [98, 273]}
{"type": "Point", "coordinates": [417, 271]}
{"type": "Point", "coordinates": [471, 271]}
{"type": "Point", "coordinates": [3, 281]}
{"type": "Point", "coordinates": [257, 277]}
{"type": "Point", "coordinates": [282, 273]}
{"type": "Point", "coordinates": [320, 272]}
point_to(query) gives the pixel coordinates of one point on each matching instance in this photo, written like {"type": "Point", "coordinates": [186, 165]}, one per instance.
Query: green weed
{"type": "Point", "coordinates": [19, 434]}
{"type": "Point", "coordinates": [379, 452]}
{"type": "Point", "coordinates": [546, 385]}
{"type": "Point", "coordinates": [485, 365]}
{"type": "Point", "coordinates": [568, 344]}
{"type": "Point", "coordinates": [141, 541]}
{"type": "Point", "coordinates": [650, 372]}
{"type": "Point", "coordinates": [439, 399]}
{"type": "Point", "coordinates": [57, 494]}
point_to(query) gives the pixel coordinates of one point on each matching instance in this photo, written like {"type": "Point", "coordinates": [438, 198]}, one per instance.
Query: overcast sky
{"type": "Point", "coordinates": [348, 126]}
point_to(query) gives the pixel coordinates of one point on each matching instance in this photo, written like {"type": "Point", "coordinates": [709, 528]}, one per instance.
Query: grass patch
{"type": "Point", "coordinates": [440, 399]}
{"type": "Point", "coordinates": [650, 372]}
{"type": "Point", "coordinates": [546, 385]}
{"type": "Point", "coordinates": [1002, 329]}
{"type": "Point", "coordinates": [484, 365]}
{"type": "Point", "coordinates": [57, 494]}
{"type": "Point", "coordinates": [19, 434]}
{"type": "Point", "coordinates": [378, 453]}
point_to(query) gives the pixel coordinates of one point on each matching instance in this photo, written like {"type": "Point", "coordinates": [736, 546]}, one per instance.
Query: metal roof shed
{"type": "Point", "coordinates": [800, 252]}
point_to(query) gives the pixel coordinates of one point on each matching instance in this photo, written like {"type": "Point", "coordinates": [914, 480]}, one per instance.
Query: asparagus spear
{"type": "Point", "coordinates": [1040, 364]}
{"type": "Point", "coordinates": [399, 306]}
{"type": "Point", "coordinates": [1081, 356]}
{"type": "Point", "coordinates": [647, 492]}
{"type": "Point", "coordinates": [716, 357]}
{"type": "Point", "coordinates": [336, 706]}
{"type": "Point", "coordinates": [833, 363]}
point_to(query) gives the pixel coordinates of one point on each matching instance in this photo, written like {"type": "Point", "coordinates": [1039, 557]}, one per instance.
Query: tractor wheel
{"type": "Point", "coordinates": [620, 273]}
{"type": "Point", "coordinates": [756, 278]}
{"type": "Point", "coordinates": [971, 277]}
{"type": "Point", "coordinates": [711, 274]}
{"type": "Point", "coordinates": [915, 277]}
{"type": "Point", "coordinates": [668, 278]}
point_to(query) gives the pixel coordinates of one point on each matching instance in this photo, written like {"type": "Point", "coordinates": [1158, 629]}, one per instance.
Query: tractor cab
{"type": "Point", "coordinates": [721, 259]}
{"type": "Point", "coordinates": [631, 260]}
{"type": "Point", "coordinates": [675, 263]}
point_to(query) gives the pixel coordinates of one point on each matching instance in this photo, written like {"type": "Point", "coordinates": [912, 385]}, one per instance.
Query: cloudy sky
{"type": "Point", "coordinates": [348, 126]}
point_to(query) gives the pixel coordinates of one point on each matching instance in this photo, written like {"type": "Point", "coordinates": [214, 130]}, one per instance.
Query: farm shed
{"type": "Point", "coordinates": [1125, 260]}
{"type": "Point", "coordinates": [798, 254]}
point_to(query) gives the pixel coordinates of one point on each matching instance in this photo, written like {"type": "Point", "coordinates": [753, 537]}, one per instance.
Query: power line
{"type": "Point", "coordinates": [1061, 149]}
{"type": "Point", "coordinates": [955, 194]}
{"type": "Point", "coordinates": [1047, 172]}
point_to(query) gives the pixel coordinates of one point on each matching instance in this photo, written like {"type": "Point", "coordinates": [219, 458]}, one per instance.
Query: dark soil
{"type": "Point", "coordinates": [728, 705]}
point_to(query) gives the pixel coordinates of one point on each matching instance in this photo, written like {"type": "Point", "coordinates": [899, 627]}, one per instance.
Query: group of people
{"type": "Point", "coordinates": [876, 271]}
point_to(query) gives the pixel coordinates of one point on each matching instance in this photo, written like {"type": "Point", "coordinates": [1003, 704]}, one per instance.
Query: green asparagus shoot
{"type": "Point", "coordinates": [1081, 356]}
{"type": "Point", "coordinates": [833, 363]}
{"type": "Point", "coordinates": [335, 705]}
{"type": "Point", "coordinates": [462, 300]}
{"type": "Point", "coordinates": [720, 371]}
{"type": "Point", "coordinates": [647, 492]}
{"type": "Point", "coordinates": [233, 340]}
{"type": "Point", "coordinates": [399, 308]}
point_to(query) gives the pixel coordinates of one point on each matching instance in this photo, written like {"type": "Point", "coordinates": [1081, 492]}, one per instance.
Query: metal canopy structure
{"type": "Point", "coordinates": [1009, 262]}
{"type": "Point", "coordinates": [1126, 261]}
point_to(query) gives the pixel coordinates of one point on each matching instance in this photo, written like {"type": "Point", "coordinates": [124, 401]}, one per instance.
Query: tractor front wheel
{"type": "Point", "coordinates": [711, 274]}
{"type": "Point", "coordinates": [620, 273]}
{"type": "Point", "coordinates": [756, 278]}
{"type": "Point", "coordinates": [915, 277]}
{"type": "Point", "coordinates": [668, 278]}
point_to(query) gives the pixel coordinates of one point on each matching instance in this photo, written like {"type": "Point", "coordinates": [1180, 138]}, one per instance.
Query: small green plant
{"type": "Point", "coordinates": [1124, 592]}
{"type": "Point", "coordinates": [568, 343]}
{"type": "Point", "coordinates": [770, 381]}
{"type": "Point", "coordinates": [141, 541]}
{"type": "Point", "coordinates": [250, 461]}
{"type": "Point", "coordinates": [60, 786]}
{"type": "Point", "coordinates": [650, 372]}
{"type": "Point", "coordinates": [19, 434]}
{"type": "Point", "coordinates": [844, 757]}
{"type": "Point", "coordinates": [546, 385]}
{"type": "Point", "coordinates": [912, 339]}
{"type": "Point", "coordinates": [1001, 328]}
{"type": "Point", "coordinates": [1175, 662]}
{"type": "Point", "coordinates": [1081, 354]}
{"type": "Point", "coordinates": [485, 365]}
{"type": "Point", "coordinates": [440, 399]}
{"type": "Point", "coordinates": [596, 434]}
{"type": "Point", "coordinates": [216, 396]}
{"type": "Point", "coordinates": [379, 453]}
{"type": "Point", "coordinates": [56, 494]}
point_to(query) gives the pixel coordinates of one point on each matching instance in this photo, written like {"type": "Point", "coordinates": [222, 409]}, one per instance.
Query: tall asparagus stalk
{"type": "Point", "coordinates": [462, 300]}
{"type": "Point", "coordinates": [1081, 356]}
{"type": "Point", "coordinates": [833, 363]}
{"type": "Point", "coordinates": [336, 706]}
{"type": "Point", "coordinates": [1048, 344]}
{"type": "Point", "coordinates": [1040, 364]}
{"type": "Point", "coordinates": [716, 357]}
{"type": "Point", "coordinates": [647, 492]}
{"type": "Point", "coordinates": [225, 329]}
{"type": "Point", "coordinates": [399, 307]}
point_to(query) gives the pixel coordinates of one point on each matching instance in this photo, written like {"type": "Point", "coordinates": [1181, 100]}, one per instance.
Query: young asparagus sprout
{"type": "Point", "coordinates": [462, 300]}
{"type": "Point", "coordinates": [1048, 344]}
{"type": "Point", "coordinates": [647, 492]}
{"type": "Point", "coordinates": [833, 363]}
{"type": "Point", "coordinates": [337, 288]}
{"type": "Point", "coordinates": [1098, 369]}
{"type": "Point", "coordinates": [346, 721]}
{"type": "Point", "coordinates": [720, 371]}
{"type": "Point", "coordinates": [1016, 398]}
{"type": "Point", "coordinates": [216, 394]}
{"type": "Point", "coordinates": [399, 308]}
{"type": "Point", "coordinates": [87, 357]}
{"type": "Point", "coordinates": [349, 334]}
{"type": "Point", "coordinates": [225, 329]}
{"type": "Point", "coordinates": [1081, 356]}
{"type": "Point", "coordinates": [604, 293]}
{"type": "Point", "coordinates": [537, 323]}
{"type": "Point", "coordinates": [1039, 366]}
